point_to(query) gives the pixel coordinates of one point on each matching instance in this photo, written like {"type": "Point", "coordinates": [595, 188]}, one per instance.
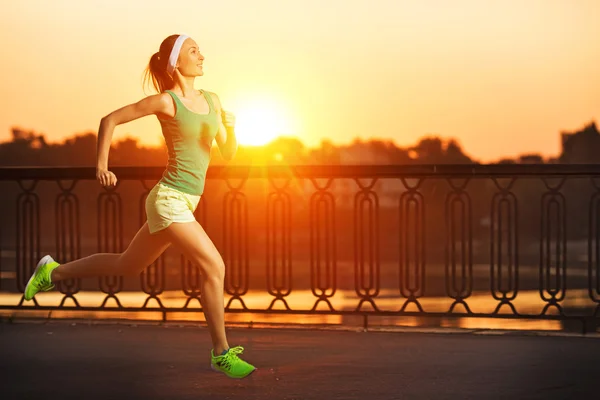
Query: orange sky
{"type": "Point", "coordinates": [503, 77]}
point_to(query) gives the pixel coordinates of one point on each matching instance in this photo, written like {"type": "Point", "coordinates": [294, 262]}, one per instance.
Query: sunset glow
{"type": "Point", "coordinates": [259, 122]}
{"type": "Point", "coordinates": [503, 78]}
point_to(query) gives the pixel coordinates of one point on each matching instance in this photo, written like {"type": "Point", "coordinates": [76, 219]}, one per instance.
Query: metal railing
{"type": "Point", "coordinates": [435, 241]}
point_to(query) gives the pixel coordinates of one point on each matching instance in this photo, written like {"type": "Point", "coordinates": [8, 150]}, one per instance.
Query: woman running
{"type": "Point", "coordinates": [190, 120]}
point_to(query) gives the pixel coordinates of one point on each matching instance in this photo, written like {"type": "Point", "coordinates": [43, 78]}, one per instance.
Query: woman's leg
{"type": "Point", "coordinates": [191, 239]}
{"type": "Point", "coordinates": [142, 251]}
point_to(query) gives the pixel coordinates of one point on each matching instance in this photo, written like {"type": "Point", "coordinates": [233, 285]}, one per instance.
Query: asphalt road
{"type": "Point", "coordinates": [59, 360]}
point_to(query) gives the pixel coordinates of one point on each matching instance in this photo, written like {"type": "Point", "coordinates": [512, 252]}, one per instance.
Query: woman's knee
{"type": "Point", "coordinates": [214, 269]}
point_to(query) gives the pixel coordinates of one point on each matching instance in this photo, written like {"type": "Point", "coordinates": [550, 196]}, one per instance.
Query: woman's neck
{"type": "Point", "coordinates": [186, 86]}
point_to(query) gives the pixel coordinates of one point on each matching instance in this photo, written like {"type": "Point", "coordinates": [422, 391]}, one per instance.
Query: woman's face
{"type": "Point", "coordinates": [190, 59]}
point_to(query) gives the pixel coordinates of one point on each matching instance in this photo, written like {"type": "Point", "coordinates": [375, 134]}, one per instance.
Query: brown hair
{"type": "Point", "coordinates": [156, 71]}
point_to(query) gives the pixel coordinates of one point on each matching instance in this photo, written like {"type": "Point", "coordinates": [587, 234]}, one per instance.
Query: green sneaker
{"type": "Point", "coordinates": [40, 280]}
{"type": "Point", "coordinates": [230, 364]}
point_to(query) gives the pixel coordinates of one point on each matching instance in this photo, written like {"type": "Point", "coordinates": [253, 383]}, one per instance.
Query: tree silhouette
{"type": "Point", "coordinates": [29, 148]}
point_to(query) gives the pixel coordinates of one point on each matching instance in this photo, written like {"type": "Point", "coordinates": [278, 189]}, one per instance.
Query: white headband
{"type": "Point", "coordinates": [175, 54]}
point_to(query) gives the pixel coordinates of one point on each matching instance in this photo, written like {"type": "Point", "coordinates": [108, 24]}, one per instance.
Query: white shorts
{"type": "Point", "coordinates": [165, 205]}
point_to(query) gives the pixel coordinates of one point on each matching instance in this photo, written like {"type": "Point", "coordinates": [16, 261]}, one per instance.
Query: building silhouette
{"type": "Point", "coordinates": [581, 147]}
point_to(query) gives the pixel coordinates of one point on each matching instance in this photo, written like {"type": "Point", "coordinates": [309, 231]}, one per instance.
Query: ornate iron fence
{"type": "Point", "coordinates": [436, 241]}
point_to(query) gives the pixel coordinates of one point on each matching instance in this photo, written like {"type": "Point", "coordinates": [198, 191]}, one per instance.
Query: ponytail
{"type": "Point", "coordinates": [156, 71]}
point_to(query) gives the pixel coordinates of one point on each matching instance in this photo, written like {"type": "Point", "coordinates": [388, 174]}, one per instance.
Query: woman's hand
{"type": "Point", "coordinates": [228, 119]}
{"type": "Point", "coordinates": [106, 178]}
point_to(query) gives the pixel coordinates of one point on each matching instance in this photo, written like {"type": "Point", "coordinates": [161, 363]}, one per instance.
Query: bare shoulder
{"type": "Point", "coordinates": [163, 99]}
{"type": "Point", "coordinates": [158, 104]}
{"type": "Point", "coordinates": [215, 99]}
{"type": "Point", "coordinates": [162, 104]}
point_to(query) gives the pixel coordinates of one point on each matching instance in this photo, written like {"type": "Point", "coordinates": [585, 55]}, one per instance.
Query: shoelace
{"type": "Point", "coordinates": [231, 356]}
{"type": "Point", "coordinates": [44, 283]}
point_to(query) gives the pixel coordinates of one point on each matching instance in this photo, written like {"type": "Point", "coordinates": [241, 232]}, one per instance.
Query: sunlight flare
{"type": "Point", "coordinates": [260, 122]}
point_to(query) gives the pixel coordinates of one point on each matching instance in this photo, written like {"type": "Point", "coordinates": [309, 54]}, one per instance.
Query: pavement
{"type": "Point", "coordinates": [66, 360]}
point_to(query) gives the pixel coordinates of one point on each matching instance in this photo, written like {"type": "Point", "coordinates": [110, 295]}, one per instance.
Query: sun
{"type": "Point", "coordinates": [259, 122]}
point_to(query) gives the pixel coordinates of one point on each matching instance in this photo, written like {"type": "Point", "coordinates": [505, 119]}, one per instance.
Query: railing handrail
{"type": "Point", "coordinates": [417, 244]}
{"type": "Point", "coordinates": [313, 171]}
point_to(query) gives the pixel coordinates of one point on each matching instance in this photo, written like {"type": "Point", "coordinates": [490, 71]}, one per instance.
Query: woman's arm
{"type": "Point", "coordinates": [225, 138]}
{"type": "Point", "coordinates": [155, 104]}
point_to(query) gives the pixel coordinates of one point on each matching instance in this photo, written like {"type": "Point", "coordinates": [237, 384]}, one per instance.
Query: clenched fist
{"type": "Point", "coordinates": [228, 119]}
{"type": "Point", "coordinates": [106, 178]}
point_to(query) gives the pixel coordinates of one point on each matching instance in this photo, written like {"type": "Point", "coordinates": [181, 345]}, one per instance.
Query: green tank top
{"type": "Point", "coordinates": [189, 138]}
